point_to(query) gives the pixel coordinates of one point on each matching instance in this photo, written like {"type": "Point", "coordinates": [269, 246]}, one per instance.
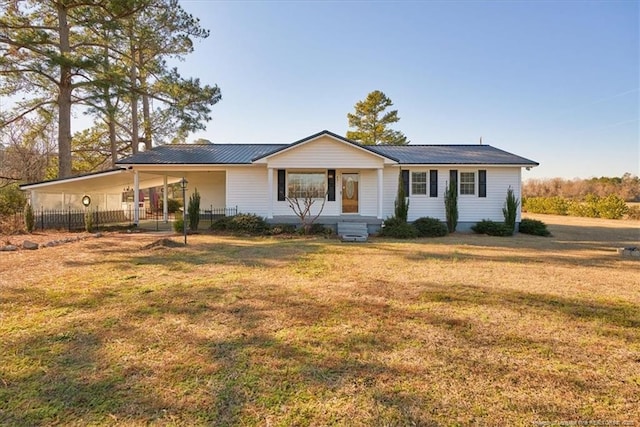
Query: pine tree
{"type": "Point", "coordinates": [372, 123]}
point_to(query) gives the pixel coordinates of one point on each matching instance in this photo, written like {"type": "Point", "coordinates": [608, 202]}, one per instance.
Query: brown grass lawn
{"type": "Point", "coordinates": [460, 330]}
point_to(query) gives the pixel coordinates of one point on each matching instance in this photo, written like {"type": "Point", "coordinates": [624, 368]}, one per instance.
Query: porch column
{"type": "Point", "coordinates": [270, 193]}
{"type": "Point", "coordinates": [136, 198]}
{"type": "Point", "coordinates": [380, 192]}
{"type": "Point", "coordinates": [165, 200]}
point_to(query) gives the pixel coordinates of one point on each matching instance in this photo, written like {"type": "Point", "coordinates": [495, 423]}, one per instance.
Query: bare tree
{"type": "Point", "coordinates": [302, 207]}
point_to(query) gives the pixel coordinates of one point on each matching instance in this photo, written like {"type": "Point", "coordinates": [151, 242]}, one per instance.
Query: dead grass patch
{"type": "Point", "coordinates": [459, 330]}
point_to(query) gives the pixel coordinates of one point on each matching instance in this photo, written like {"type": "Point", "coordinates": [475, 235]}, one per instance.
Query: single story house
{"type": "Point", "coordinates": [358, 183]}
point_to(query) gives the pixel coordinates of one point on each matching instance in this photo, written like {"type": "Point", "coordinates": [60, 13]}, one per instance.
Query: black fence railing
{"type": "Point", "coordinates": [75, 219]}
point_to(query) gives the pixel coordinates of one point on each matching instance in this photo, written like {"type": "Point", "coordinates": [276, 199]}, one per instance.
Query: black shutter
{"type": "Point", "coordinates": [482, 183]}
{"type": "Point", "coordinates": [453, 179]}
{"type": "Point", "coordinates": [433, 183]}
{"type": "Point", "coordinates": [331, 185]}
{"type": "Point", "coordinates": [282, 185]}
{"type": "Point", "coordinates": [405, 182]}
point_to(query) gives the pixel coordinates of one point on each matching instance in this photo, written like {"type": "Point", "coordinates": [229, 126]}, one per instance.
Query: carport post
{"type": "Point", "coordinates": [136, 198]}
{"type": "Point", "coordinates": [165, 201]}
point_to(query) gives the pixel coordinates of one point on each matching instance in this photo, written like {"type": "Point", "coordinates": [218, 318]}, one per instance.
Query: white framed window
{"type": "Point", "coordinates": [419, 183]}
{"type": "Point", "coordinates": [306, 184]}
{"type": "Point", "coordinates": [467, 183]}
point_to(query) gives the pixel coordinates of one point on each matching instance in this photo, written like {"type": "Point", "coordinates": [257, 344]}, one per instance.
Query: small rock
{"type": "Point", "coordinates": [28, 244]}
{"type": "Point", "coordinates": [8, 248]}
{"type": "Point", "coordinates": [97, 235]}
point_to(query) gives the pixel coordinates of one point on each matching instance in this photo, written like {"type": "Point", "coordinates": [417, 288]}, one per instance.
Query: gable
{"type": "Point", "coordinates": [325, 152]}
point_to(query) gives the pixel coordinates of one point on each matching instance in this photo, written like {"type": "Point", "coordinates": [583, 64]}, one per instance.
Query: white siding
{"type": "Point", "coordinates": [210, 185]}
{"type": "Point", "coordinates": [247, 189]}
{"type": "Point", "coordinates": [390, 189]}
{"type": "Point", "coordinates": [471, 208]}
{"type": "Point", "coordinates": [368, 193]}
{"type": "Point", "coordinates": [325, 153]}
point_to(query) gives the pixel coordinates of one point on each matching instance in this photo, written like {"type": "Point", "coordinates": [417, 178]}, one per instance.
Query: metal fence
{"type": "Point", "coordinates": [75, 219]}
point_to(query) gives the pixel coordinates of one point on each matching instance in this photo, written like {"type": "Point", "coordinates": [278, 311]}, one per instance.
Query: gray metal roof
{"type": "Point", "coordinates": [451, 155]}
{"type": "Point", "coordinates": [201, 154]}
{"type": "Point", "coordinates": [229, 154]}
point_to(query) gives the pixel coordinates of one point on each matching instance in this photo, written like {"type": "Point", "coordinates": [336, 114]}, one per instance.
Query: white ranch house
{"type": "Point", "coordinates": [359, 182]}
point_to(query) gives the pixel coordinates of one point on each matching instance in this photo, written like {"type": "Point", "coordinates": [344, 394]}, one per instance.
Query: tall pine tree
{"type": "Point", "coordinates": [371, 122]}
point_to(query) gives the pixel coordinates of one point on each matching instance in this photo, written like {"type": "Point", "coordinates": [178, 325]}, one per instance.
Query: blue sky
{"type": "Point", "coordinates": [556, 82]}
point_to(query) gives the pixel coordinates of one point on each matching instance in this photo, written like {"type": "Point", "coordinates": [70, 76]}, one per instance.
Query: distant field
{"type": "Point", "coordinates": [461, 330]}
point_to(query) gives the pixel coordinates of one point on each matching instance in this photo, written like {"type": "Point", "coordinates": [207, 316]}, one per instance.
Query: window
{"type": "Point", "coordinates": [467, 183]}
{"type": "Point", "coordinates": [306, 184]}
{"type": "Point", "coordinates": [419, 183]}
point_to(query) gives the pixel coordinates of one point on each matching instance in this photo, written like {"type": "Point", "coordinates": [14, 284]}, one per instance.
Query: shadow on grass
{"type": "Point", "coordinates": [256, 354]}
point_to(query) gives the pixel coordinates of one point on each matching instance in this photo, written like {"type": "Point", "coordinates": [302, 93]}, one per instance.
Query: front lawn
{"type": "Point", "coordinates": [459, 330]}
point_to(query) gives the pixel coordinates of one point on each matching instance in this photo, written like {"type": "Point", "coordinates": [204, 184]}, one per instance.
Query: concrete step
{"type": "Point", "coordinates": [353, 231]}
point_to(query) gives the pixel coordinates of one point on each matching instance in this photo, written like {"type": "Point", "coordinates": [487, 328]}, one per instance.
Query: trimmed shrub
{"type": "Point", "coordinates": [401, 204]}
{"type": "Point", "coordinates": [178, 223]}
{"type": "Point", "coordinates": [194, 210]}
{"type": "Point", "coordinates": [248, 223]}
{"type": "Point", "coordinates": [492, 228]}
{"type": "Point", "coordinates": [430, 227]}
{"type": "Point", "coordinates": [451, 207]}
{"type": "Point", "coordinates": [510, 210]}
{"type": "Point", "coordinates": [533, 226]}
{"type": "Point", "coordinates": [221, 224]}
{"type": "Point", "coordinates": [29, 219]}
{"type": "Point", "coordinates": [399, 230]}
{"type": "Point", "coordinates": [88, 220]}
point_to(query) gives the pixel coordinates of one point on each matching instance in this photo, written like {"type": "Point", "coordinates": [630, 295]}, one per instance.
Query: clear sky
{"type": "Point", "coordinates": [553, 81]}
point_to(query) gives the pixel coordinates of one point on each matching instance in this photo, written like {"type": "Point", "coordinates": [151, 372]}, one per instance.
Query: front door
{"type": "Point", "coordinates": [350, 193]}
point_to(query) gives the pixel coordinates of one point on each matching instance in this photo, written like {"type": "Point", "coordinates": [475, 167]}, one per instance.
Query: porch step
{"type": "Point", "coordinates": [353, 231]}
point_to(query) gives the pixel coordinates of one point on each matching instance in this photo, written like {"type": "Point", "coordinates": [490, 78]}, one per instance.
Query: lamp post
{"type": "Point", "coordinates": [183, 185]}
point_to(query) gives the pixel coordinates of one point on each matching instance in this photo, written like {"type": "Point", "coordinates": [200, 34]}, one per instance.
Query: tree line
{"type": "Point", "coordinates": [105, 58]}
{"type": "Point", "coordinates": [627, 187]}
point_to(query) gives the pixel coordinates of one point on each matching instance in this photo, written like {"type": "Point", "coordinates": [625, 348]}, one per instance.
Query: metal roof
{"type": "Point", "coordinates": [202, 154]}
{"type": "Point", "coordinates": [451, 155]}
{"type": "Point", "coordinates": [230, 154]}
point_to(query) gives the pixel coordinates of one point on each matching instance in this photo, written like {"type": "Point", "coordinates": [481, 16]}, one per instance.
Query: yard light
{"type": "Point", "coordinates": [183, 185]}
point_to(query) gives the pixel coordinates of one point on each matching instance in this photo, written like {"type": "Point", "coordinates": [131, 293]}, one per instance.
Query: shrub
{"type": "Point", "coordinates": [451, 207]}
{"type": "Point", "coordinates": [430, 227]}
{"type": "Point", "coordinates": [633, 212]}
{"type": "Point", "coordinates": [546, 205]}
{"type": "Point", "coordinates": [12, 199]}
{"type": "Point", "coordinates": [612, 207]}
{"type": "Point", "coordinates": [173, 205]}
{"type": "Point", "coordinates": [277, 229]}
{"type": "Point", "coordinates": [178, 223]}
{"type": "Point", "coordinates": [319, 229]}
{"type": "Point", "coordinates": [510, 210]}
{"type": "Point", "coordinates": [492, 228]}
{"type": "Point", "coordinates": [533, 226]}
{"type": "Point", "coordinates": [401, 204]}
{"type": "Point", "coordinates": [221, 224]}
{"type": "Point", "coordinates": [248, 223]}
{"type": "Point", "coordinates": [399, 230]}
{"type": "Point", "coordinates": [29, 219]}
{"type": "Point", "coordinates": [391, 222]}
{"type": "Point", "coordinates": [194, 210]}
{"type": "Point", "coordinates": [88, 220]}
